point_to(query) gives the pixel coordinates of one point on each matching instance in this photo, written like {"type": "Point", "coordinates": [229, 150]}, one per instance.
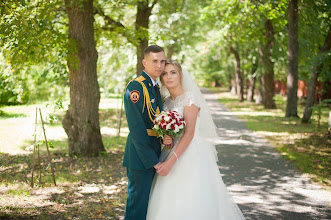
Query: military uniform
{"type": "Point", "coordinates": [142, 103]}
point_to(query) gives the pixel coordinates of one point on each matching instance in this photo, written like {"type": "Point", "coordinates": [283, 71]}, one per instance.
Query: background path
{"type": "Point", "coordinates": [264, 184]}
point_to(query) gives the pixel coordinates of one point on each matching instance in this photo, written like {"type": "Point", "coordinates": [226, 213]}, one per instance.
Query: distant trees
{"type": "Point", "coordinates": [268, 35]}
{"type": "Point", "coordinates": [238, 74]}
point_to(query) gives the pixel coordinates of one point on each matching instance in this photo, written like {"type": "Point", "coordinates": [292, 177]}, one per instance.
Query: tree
{"type": "Point", "coordinates": [39, 38]}
{"type": "Point", "coordinates": [178, 25]}
{"type": "Point", "coordinates": [238, 74]}
{"type": "Point", "coordinates": [142, 22]}
{"type": "Point", "coordinates": [81, 121]}
{"type": "Point", "coordinates": [235, 25]}
{"type": "Point", "coordinates": [140, 36]}
{"type": "Point", "coordinates": [313, 80]}
{"type": "Point", "coordinates": [268, 67]}
{"type": "Point", "coordinates": [293, 54]}
{"type": "Point", "coordinates": [255, 26]}
{"type": "Point", "coordinates": [252, 81]}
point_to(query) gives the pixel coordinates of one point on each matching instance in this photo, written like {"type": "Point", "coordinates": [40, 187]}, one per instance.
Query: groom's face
{"type": "Point", "coordinates": [154, 64]}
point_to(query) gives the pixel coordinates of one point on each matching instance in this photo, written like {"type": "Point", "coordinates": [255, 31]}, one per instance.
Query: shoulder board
{"type": "Point", "coordinates": [140, 78]}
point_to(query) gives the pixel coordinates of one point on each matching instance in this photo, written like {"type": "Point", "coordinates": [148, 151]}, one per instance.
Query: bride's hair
{"type": "Point", "coordinates": [177, 66]}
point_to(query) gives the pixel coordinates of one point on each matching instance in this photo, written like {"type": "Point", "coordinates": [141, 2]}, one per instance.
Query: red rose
{"type": "Point", "coordinates": [172, 127]}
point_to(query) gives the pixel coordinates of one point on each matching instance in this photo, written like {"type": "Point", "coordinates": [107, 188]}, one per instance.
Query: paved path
{"type": "Point", "coordinates": [264, 184]}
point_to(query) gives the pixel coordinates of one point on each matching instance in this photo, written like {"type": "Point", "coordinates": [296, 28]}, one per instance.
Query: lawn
{"type": "Point", "coordinates": [87, 188]}
{"type": "Point", "coordinates": [304, 144]}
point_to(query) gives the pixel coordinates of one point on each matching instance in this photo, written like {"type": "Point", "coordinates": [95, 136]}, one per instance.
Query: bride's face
{"type": "Point", "coordinates": [170, 77]}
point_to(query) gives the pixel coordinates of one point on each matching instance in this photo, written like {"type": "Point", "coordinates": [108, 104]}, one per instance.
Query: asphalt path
{"type": "Point", "coordinates": [261, 181]}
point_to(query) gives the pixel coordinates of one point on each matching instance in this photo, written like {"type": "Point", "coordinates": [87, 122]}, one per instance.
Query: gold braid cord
{"type": "Point", "coordinates": [151, 111]}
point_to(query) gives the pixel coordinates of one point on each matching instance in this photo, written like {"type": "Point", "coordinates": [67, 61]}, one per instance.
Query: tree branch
{"type": "Point", "coordinates": [149, 10]}
{"type": "Point", "coordinates": [111, 24]}
{"type": "Point", "coordinates": [154, 3]}
{"type": "Point", "coordinates": [327, 42]}
{"type": "Point", "coordinates": [109, 20]}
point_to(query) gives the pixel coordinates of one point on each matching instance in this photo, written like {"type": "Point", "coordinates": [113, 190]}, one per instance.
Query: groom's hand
{"type": "Point", "coordinates": [157, 166]}
{"type": "Point", "coordinates": [167, 140]}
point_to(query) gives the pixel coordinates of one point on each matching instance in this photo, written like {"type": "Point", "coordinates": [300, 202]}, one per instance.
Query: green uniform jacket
{"type": "Point", "coordinates": [142, 151]}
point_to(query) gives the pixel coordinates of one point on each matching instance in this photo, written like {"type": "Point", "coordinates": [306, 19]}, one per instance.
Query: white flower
{"type": "Point", "coordinates": [173, 121]}
{"type": "Point", "coordinates": [168, 127]}
{"type": "Point", "coordinates": [176, 128]}
{"type": "Point", "coordinates": [181, 126]}
{"type": "Point", "coordinates": [159, 117]}
{"type": "Point", "coordinates": [166, 118]}
{"type": "Point", "coordinates": [156, 127]}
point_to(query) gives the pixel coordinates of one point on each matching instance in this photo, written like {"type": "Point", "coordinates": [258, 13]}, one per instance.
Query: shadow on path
{"type": "Point", "coordinates": [264, 184]}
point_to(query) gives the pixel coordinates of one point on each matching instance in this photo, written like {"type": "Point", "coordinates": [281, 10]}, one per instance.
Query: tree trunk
{"type": "Point", "coordinates": [252, 80]}
{"type": "Point", "coordinates": [233, 89]}
{"type": "Point", "coordinates": [170, 51]}
{"type": "Point", "coordinates": [81, 122]}
{"type": "Point", "coordinates": [293, 53]}
{"type": "Point", "coordinates": [326, 88]}
{"type": "Point", "coordinates": [259, 96]}
{"type": "Point", "coordinates": [142, 23]}
{"type": "Point", "coordinates": [313, 80]}
{"type": "Point", "coordinates": [238, 74]}
{"type": "Point", "coordinates": [268, 66]}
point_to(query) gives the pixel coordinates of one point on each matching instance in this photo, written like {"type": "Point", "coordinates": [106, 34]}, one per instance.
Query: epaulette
{"type": "Point", "coordinates": [140, 79]}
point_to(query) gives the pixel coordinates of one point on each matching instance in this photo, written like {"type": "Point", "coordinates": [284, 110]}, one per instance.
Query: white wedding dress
{"type": "Point", "coordinates": [193, 190]}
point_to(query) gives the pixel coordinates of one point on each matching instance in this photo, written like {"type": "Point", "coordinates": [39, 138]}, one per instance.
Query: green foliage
{"type": "Point", "coordinates": [13, 87]}
{"type": "Point", "coordinates": [317, 110]}
{"type": "Point", "coordinates": [176, 25]}
{"type": "Point", "coordinates": [32, 32]}
{"type": "Point", "coordinates": [34, 42]}
{"type": "Point", "coordinates": [33, 46]}
{"type": "Point", "coordinates": [314, 22]}
{"type": "Point", "coordinates": [229, 23]}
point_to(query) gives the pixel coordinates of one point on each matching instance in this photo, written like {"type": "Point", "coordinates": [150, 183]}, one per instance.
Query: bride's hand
{"type": "Point", "coordinates": [167, 140]}
{"type": "Point", "coordinates": [165, 167]}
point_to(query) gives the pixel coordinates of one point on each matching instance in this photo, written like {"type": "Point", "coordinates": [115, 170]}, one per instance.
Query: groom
{"type": "Point", "coordinates": [142, 102]}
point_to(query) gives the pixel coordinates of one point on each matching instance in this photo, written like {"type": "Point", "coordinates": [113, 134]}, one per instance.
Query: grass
{"type": "Point", "coordinates": [87, 187]}
{"type": "Point", "coordinates": [5, 115]}
{"type": "Point", "coordinates": [306, 145]}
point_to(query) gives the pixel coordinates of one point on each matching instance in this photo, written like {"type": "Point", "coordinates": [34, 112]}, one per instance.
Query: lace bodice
{"type": "Point", "coordinates": [186, 99]}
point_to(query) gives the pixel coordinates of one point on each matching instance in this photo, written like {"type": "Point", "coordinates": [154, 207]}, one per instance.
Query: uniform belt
{"type": "Point", "coordinates": [150, 132]}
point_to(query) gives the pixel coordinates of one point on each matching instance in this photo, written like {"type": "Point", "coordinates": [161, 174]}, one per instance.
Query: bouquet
{"type": "Point", "coordinates": [169, 123]}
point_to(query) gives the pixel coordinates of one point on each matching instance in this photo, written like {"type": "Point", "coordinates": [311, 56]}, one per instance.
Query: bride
{"type": "Point", "coordinates": [189, 185]}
